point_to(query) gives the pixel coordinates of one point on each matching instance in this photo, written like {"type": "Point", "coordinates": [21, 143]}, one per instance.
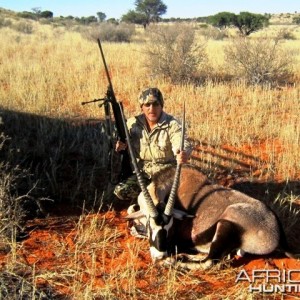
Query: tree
{"type": "Point", "coordinates": [151, 9]}
{"type": "Point", "coordinates": [134, 17]}
{"type": "Point", "coordinates": [248, 23]}
{"type": "Point", "coordinates": [47, 14]}
{"type": "Point", "coordinates": [36, 10]}
{"type": "Point", "coordinates": [222, 20]}
{"type": "Point", "coordinates": [87, 20]}
{"type": "Point", "coordinates": [101, 16]}
{"type": "Point", "coordinates": [68, 17]}
{"type": "Point", "coordinates": [112, 21]}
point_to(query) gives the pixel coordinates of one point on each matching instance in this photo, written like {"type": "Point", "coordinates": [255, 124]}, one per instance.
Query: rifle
{"type": "Point", "coordinates": [110, 101]}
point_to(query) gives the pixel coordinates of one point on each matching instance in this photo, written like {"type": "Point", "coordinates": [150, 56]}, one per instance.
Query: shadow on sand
{"type": "Point", "coordinates": [65, 161]}
{"type": "Point", "coordinates": [233, 169]}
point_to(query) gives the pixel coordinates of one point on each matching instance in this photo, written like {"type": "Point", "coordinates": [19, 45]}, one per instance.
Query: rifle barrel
{"type": "Point", "coordinates": [117, 110]}
{"type": "Point", "coordinates": [106, 68]}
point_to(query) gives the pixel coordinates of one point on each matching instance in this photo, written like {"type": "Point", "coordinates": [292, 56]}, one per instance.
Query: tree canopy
{"type": "Point", "coordinates": [146, 11]}
{"type": "Point", "coordinates": [101, 16]}
{"type": "Point", "coordinates": [134, 17]}
{"type": "Point", "coordinates": [246, 22]}
{"type": "Point", "coordinates": [222, 19]}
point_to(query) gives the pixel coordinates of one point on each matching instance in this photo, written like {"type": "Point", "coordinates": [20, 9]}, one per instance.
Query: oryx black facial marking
{"type": "Point", "coordinates": [159, 232]}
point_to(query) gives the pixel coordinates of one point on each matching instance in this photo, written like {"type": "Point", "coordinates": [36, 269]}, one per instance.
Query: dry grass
{"type": "Point", "coordinates": [51, 71]}
{"type": "Point", "coordinates": [90, 258]}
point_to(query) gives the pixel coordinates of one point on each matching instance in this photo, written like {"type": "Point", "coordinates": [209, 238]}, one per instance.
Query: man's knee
{"type": "Point", "coordinates": [127, 190]}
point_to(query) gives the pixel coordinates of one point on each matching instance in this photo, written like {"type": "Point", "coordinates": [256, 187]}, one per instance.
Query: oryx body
{"type": "Point", "coordinates": [182, 208]}
{"type": "Point", "coordinates": [218, 219]}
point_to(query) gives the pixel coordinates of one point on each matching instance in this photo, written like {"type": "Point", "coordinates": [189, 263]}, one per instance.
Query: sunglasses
{"type": "Point", "coordinates": [156, 103]}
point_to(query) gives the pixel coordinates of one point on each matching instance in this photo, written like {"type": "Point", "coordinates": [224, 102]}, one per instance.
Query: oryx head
{"type": "Point", "coordinates": [159, 225]}
{"type": "Point", "coordinates": [159, 217]}
{"type": "Point", "coordinates": [160, 235]}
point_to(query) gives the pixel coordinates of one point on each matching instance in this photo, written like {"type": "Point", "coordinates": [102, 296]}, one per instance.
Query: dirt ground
{"type": "Point", "coordinates": [93, 256]}
{"type": "Point", "coordinates": [64, 262]}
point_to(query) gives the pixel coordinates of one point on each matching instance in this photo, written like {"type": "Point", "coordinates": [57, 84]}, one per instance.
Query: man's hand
{"type": "Point", "coordinates": [182, 157]}
{"type": "Point", "coordinates": [120, 146]}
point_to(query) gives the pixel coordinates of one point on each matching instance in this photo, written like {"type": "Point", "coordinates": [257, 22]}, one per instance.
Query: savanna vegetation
{"type": "Point", "coordinates": [242, 107]}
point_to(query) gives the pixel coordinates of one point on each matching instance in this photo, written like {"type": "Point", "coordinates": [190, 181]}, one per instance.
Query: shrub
{"type": "Point", "coordinates": [24, 27]}
{"type": "Point", "coordinates": [296, 20]}
{"type": "Point", "coordinates": [12, 213]}
{"type": "Point", "coordinates": [173, 54]}
{"type": "Point", "coordinates": [4, 22]}
{"type": "Point", "coordinates": [286, 34]}
{"type": "Point", "coordinates": [27, 15]}
{"type": "Point", "coordinates": [111, 32]}
{"type": "Point", "coordinates": [259, 61]}
{"type": "Point", "coordinates": [12, 204]}
{"type": "Point", "coordinates": [45, 21]}
{"type": "Point", "coordinates": [213, 33]}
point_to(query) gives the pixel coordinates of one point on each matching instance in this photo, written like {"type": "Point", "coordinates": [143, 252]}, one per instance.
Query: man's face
{"type": "Point", "coordinates": [152, 111]}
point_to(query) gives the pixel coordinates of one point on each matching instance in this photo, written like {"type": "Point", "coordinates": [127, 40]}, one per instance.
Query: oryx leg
{"type": "Point", "coordinates": [226, 239]}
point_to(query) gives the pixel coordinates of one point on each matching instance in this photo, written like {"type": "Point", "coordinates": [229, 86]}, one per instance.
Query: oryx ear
{"type": "Point", "coordinates": [135, 215]}
{"type": "Point", "coordinates": [180, 214]}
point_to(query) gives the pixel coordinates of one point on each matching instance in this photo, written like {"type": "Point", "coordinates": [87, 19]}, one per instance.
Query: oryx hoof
{"type": "Point", "coordinates": [168, 262]}
{"type": "Point", "coordinates": [195, 265]}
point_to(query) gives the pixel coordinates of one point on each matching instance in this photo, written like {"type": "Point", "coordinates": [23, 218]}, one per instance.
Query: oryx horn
{"type": "Point", "coordinates": [171, 201]}
{"type": "Point", "coordinates": [149, 202]}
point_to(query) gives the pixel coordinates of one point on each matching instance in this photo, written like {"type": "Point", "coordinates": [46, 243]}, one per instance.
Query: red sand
{"type": "Point", "coordinates": [60, 258]}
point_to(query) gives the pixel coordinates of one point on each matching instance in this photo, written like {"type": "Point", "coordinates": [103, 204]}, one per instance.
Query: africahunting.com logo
{"type": "Point", "coordinates": [271, 281]}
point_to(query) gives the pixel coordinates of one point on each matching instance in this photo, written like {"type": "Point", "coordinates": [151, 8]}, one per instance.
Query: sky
{"type": "Point", "coordinates": [175, 8]}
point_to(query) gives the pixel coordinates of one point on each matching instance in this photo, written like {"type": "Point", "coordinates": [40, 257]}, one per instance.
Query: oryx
{"type": "Point", "coordinates": [181, 207]}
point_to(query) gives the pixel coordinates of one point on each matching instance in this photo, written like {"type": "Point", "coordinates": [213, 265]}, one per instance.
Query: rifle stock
{"type": "Point", "coordinates": [126, 169]}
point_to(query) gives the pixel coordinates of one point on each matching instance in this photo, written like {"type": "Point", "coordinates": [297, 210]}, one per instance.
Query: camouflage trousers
{"type": "Point", "coordinates": [129, 189]}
